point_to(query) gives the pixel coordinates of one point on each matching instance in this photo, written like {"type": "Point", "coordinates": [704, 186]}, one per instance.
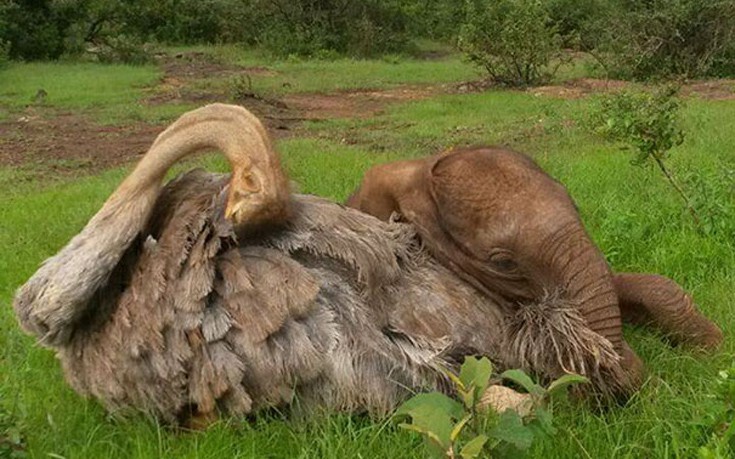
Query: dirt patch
{"type": "Point", "coordinates": [711, 90]}
{"type": "Point", "coordinates": [582, 87]}
{"type": "Point", "coordinates": [279, 118]}
{"type": "Point", "coordinates": [356, 104]}
{"type": "Point", "coordinates": [281, 115]}
{"type": "Point", "coordinates": [70, 142]}
{"type": "Point", "coordinates": [183, 69]}
{"type": "Point", "coordinates": [197, 65]}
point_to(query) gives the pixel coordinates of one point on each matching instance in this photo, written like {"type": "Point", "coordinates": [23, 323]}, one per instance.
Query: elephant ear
{"type": "Point", "coordinates": [457, 184]}
{"type": "Point", "coordinates": [472, 186]}
{"type": "Point", "coordinates": [462, 186]}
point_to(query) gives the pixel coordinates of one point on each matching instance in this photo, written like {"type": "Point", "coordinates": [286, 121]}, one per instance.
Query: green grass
{"type": "Point", "coordinates": [74, 85]}
{"type": "Point", "coordinates": [345, 74]}
{"type": "Point", "coordinates": [630, 211]}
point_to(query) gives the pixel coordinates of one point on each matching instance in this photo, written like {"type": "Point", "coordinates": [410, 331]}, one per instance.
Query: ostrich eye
{"type": "Point", "coordinates": [249, 182]}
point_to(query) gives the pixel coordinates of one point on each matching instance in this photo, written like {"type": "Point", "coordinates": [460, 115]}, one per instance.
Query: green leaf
{"type": "Point", "coordinates": [458, 427]}
{"type": "Point", "coordinates": [429, 434]}
{"type": "Point", "coordinates": [542, 422]}
{"type": "Point", "coordinates": [475, 373]}
{"type": "Point", "coordinates": [523, 380]}
{"type": "Point", "coordinates": [473, 448]}
{"type": "Point", "coordinates": [434, 413]}
{"type": "Point", "coordinates": [458, 384]}
{"type": "Point", "coordinates": [565, 381]}
{"type": "Point", "coordinates": [434, 400]}
{"type": "Point", "coordinates": [510, 429]}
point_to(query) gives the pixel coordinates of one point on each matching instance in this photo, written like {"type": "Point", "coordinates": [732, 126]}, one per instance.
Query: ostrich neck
{"type": "Point", "coordinates": [224, 133]}
{"type": "Point", "coordinates": [228, 132]}
{"type": "Point", "coordinates": [126, 211]}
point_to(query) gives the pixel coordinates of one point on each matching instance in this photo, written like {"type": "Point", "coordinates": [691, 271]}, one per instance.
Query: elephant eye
{"type": "Point", "coordinates": [503, 261]}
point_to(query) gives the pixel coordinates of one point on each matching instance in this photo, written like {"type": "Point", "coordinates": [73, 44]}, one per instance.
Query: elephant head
{"type": "Point", "coordinates": [505, 226]}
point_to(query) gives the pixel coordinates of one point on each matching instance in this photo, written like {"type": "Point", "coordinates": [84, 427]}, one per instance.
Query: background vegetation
{"type": "Point", "coordinates": [516, 41]}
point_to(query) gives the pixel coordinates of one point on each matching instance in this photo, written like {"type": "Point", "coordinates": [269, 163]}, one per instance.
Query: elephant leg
{"type": "Point", "coordinates": [655, 300]}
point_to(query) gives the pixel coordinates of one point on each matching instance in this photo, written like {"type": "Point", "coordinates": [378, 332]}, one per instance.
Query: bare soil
{"type": "Point", "coordinates": [358, 103]}
{"type": "Point", "coordinates": [196, 65]}
{"type": "Point", "coordinates": [712, 90]}
{"type": "Point", "coordinates": [67, 141]}
{"type": "Point", "coordinates": [582, 87]}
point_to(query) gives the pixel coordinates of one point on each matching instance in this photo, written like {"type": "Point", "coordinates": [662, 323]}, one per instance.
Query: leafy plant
{"type": "Point", "coordinates": [650, 123]}
{"type": "Point", "coordinates": [574, 20]}
{"type": "Point", "coordinates": [454, 428]}
{"type": "Point", "coordinates": [515, 41]}
{"type": "Point", "coordinates": [241, 87]}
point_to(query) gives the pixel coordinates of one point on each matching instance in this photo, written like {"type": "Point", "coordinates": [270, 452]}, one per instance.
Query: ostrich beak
{"type": "Point", "coordinates": [231, 211]}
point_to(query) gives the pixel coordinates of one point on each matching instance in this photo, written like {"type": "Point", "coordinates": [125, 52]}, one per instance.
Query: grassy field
{"type": "Point", "coordinates": [633, 215]}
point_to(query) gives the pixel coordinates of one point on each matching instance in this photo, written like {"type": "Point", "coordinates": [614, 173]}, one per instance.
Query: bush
{"type": "Point", "coordinates": [650, 123]}
{"type": "Point", "coordinates": [670, 38]}
{"type": "Point", "coordinates": [175, 21]}
{"type": "Point", "coordinates": [33, 28]}
{"type": "Point", "coordinates": [434, 19]}
{"type": "Point", "coordinates": [513, 40]}
{"type": "Point", "coordinates": [123, 49]}
{"type": "Point", "coordinates": [4, 53]}
{"type": "Point", "coordinates": [579, 22]}
{"type": "Point", "coordinates": [347, 27]}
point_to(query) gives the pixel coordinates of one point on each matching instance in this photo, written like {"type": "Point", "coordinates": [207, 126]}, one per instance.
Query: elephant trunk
{"type": "Point", "coordinates": [586, 280]}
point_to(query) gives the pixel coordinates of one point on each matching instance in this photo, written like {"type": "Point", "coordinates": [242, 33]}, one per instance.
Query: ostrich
{"type": "Point", "coordinates": [226, 294]}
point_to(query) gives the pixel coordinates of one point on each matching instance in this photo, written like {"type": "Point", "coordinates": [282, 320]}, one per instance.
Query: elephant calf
{"type": "Point", "coordinates": [503, 225]}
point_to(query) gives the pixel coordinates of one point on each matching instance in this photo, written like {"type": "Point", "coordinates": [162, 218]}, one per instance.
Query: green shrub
{"type": "Point", "coordinates": [513, 40]}
{"type": "Point", "coordinates": [434, 19]}
{"type": "Point", "coordinates": [34, 29]}
{"type": "Point", "coordinates": [667, 38]}
{"type": "Point", "coordinates": [124, 49]}
{"type": "Point", "coordinates": [4, 53]}
{"type": "Point", "coordinates": [650, 123]}
{"type": "Point", "coordinates": [580, 23]}
{"type": "Point", "coordinates": [347, 27]}
{"type": "Point", "coordinates": [175, 21]}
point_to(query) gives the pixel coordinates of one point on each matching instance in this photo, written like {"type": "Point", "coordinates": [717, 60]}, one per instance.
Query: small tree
{"type": "Point", "coordinates": [515, 41]}
{"type": "Point", "coordinates": [648, 122]}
